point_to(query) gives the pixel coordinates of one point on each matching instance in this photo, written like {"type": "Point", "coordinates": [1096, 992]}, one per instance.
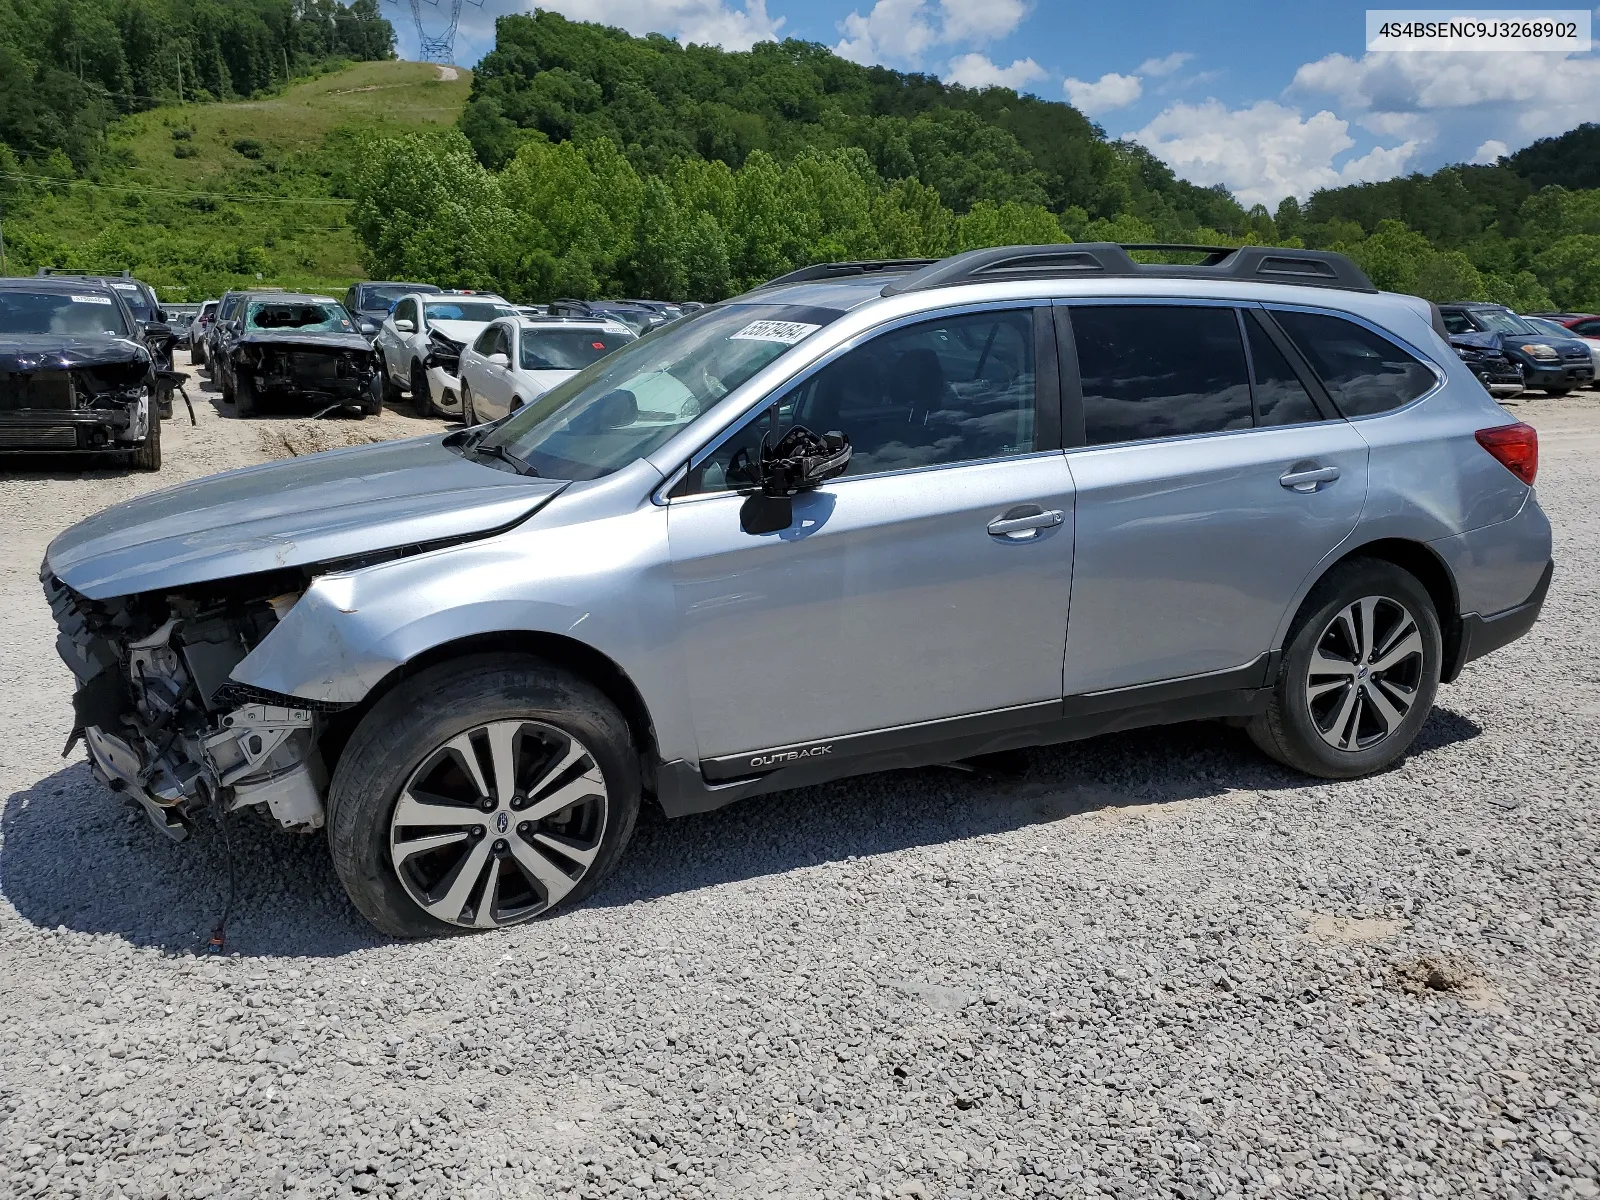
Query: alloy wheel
{"type": "Point", "coordinates": [498, 824]}
{"type": "Point", "coordinates": [1365, 671]}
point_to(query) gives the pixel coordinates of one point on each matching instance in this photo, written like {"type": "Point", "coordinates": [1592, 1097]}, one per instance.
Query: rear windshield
{"type": "Point", "coordinates": [67, 313]}
{"type": "Point", "coordinates": [467, 310]}
{"type": "Point", "coordinates": [567, 349]}
{"type": "Point", "coordinates": [300, 316]}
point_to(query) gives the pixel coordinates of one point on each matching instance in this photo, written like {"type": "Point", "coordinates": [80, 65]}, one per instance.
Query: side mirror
{"type": "Point", "coordinates": [161, 314]}
{"type": "Point", "coordinates": [798, 462]}
{"type": "Point", "coordinates": [498, 360]}
{"type": "Point", "coordinates": [368, 328]}
{"type": "Point", "coordinates": [157, 331]}
{"type": "Point", "coordinates": [405, 326]}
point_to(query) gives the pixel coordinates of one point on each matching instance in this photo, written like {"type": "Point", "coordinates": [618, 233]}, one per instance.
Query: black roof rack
{"type": "Point", "coordinates": [43, 272]}
{"type": "Point", "coordinates": [1254, 264]}
{"type": "Point", "coordinates": [840, 270]}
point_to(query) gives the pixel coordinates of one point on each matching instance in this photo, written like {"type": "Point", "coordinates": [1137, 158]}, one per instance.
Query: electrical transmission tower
{"type": "Point", "coordinates": [440, 46]}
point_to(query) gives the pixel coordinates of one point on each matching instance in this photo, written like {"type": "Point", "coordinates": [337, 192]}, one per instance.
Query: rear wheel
{"type": "Point", "coordinates": [479, 794]}
{"type": "Point", "coordinates": [1359, 674]}
{"type": "Point", "coordinates": [421, 393]}
{"type": "Point", "coordinates": [147, 457]}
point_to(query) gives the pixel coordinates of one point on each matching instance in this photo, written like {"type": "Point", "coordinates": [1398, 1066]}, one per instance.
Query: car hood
{"type": "Point", "coordinates": [64, 352]}
{"type": "Point", "coordinates": [459, 331]}
{"type": "Point", "coordinates": [298, 512]}
{"type": "Point", "coordinates": [1475, 341]}
{"type": "Point", "coordinates": [321, 339]}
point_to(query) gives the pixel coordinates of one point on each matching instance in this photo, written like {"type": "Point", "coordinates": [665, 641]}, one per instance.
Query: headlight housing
{"type": "Point", "coordinates": [1541, 352]}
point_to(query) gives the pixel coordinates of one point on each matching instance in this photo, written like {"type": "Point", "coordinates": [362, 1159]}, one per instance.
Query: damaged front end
{"type": "Point", "coordinates": [76, 398]}
{"type": "Point", "coordinates": [162, 721]}
{"type": "Point", "coordinates": [338, 370]}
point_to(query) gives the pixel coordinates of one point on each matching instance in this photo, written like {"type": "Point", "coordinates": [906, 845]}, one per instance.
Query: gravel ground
{"type": "Point", "coordinates": [1151, 964]}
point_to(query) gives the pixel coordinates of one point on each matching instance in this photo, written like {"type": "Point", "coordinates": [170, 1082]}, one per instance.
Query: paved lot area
{"type": "Point", "coordinates": [1150, 965]}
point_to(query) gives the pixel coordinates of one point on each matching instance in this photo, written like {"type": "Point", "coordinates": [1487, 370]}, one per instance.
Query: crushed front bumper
{"type": "Point", "coordinates": [75, 429]}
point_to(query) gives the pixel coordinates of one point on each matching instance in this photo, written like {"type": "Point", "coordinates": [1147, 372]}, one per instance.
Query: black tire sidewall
{"type": "Point", "coordinates": [423, 713]}
{"type": "Point", "coordinates": [421, 392]}
{"type": "Point", "coordinates": [1351, 583]}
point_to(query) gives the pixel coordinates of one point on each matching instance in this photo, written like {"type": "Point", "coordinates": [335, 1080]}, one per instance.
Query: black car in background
{"type": "Point", "coordinates": [1497, 373]}
{"type": "Point", "coordinates": [1554, 364]}
{"type": "Point", "coordinates": [369, 303]}
{"type": "Point", "coordinates": [140, 299]}
{"type": "Point", "coordinates": [76, 373]}
{"type": "Point", "coordinates": [635, 316]}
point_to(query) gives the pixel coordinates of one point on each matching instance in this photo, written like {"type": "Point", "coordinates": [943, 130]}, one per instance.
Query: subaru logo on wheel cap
{"type": "Point", "coordinates": [501, 822]}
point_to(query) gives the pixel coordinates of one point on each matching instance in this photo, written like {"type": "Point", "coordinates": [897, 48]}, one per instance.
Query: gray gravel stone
{"type": "Point", "coordinates": [1153, 964]}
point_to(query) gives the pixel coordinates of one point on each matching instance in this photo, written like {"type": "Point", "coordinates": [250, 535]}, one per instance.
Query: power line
{"type": "Point", "coordinates": [116, 187]}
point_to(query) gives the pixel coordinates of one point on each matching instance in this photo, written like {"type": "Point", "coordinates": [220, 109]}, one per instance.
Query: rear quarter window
{"type": "Point", "coordinates": [1364, 372]}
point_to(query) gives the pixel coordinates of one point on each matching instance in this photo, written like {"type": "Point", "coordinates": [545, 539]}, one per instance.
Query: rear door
{"type": "Point", "coordinates": [931, 581]}
{"type": "Point", "coordinates": [1212, 477]}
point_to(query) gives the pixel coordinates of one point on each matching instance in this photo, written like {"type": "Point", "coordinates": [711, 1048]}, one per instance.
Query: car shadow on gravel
{"type": "Point", "coordinates": [74, 855]}
{"type": "Point", "coordinates": [877, 814]}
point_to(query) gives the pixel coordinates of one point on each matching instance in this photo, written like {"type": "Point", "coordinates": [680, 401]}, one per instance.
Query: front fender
{"type": "Point", "coordinates": [605, 583]}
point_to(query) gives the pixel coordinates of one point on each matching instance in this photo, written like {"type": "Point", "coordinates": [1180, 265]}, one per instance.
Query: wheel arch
{"type": "Point", "coordinates": [567, 653]}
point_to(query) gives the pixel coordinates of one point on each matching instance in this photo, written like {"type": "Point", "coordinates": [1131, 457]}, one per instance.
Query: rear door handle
{"type": "Point", "coordinates": [1308, 479]}
{"type": "Point", "coordinates": [1024, 522]}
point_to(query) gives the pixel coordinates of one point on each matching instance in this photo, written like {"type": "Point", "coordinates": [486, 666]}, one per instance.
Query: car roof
{"type": "Point", "coordinates": [54, 283]}
{"type": "Point", "coordinates": [556, 321]}
{"type": "Point", "coordinates": [292, 297]}
{"type": "Point", "coordinates": [416, 287]}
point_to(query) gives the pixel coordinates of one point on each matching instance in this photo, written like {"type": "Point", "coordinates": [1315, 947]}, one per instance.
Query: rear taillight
{"type": "Point", "coordinates": [1515, 447]}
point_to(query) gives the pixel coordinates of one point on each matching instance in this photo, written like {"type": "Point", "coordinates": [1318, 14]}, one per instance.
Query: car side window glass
{"type": "Point", "coordinates": [1364, 372]}
{"type": "Point", "coordinates": [1457, 322]}
{"type": "Point", "coordinates": [1281, 399]}
{"type": "Point", "coordinates": [1159, 370]}
{"type": "Point", "coordinates": [953, 390]}
{"type": "Point", "coordinates": [502, 341]}
{"type": "Point", "coordinates": [1588, 329]}
{"type": "Point", "coordinates": [484, 344]}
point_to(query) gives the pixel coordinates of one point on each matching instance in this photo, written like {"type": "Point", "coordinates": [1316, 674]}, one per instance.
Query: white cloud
{"type": "Point", "coordinates": [1164, 66]}
{"type": "Point", "coordinates": [708, 22]}
{"type": "Point", "coordinates": [1265, 152]}
{"type": "Point", "coordinates": [1104, 94]}
{"type": "Point", "coordinates": [901, 31]}
{"type": "Point", "coordinates": [978, 71]}
{"type": "Point", "coordinates": [1530, 94]}
{"type": "Point", "coordinates": [1491, 152]}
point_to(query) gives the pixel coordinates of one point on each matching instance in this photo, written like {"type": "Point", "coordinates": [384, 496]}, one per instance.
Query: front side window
{"type": "Point", "coordinates": [956, 389]}
{"type": "Point", "coordinates": [85, 313]}
{"type": "Point", "coordinates": [1458, 322]}
{"type": "Point", "coordinates": [1364, 372]}
{"type": "Point", "coordinates": [629, 403]}
{"type": "Point", "coordinates": [298, 316]}
{"type": "Point", "coordinates": [544, 349]}
{"type": "Point", "coordinates": [466, 310]}
{"type": "Point", "coordinates": [406, 310]}
{"type": "Point", "coordinates": [484, 344]}
{"type": "Point", "coordinates": [133, 296]}
{"type": "Point", "coordinates": [1152, 371]}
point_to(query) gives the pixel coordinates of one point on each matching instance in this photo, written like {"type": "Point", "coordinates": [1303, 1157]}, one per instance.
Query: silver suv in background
{"type": "Point", "coordinates": [870, 515]}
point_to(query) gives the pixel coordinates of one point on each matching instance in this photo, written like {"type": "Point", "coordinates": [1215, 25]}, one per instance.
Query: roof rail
{"type": "Point", "coordinates": [1253, 264]}
{"type": "Point", "coordinates": [840, 270]}
{"type": "Point", "coordinates": [43, 272]}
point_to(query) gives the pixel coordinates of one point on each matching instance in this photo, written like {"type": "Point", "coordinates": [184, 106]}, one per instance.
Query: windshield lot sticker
{"type": "Point", "coordinates": [91, 299]}
{"type": "Point", "coordinates": [787, 332]}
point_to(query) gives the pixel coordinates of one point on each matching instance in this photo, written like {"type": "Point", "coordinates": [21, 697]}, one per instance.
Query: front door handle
{"type": "Point", "coordinates": [1308, 478]}
{"type": "Point", "coordinates": [1024, 521]}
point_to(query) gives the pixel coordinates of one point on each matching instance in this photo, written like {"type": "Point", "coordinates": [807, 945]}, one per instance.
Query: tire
{"type": "Point", "coordinates": [469, 414]}
{"type": "Point", "coordinates": [164, 401]}
{"type": "Point", "coordinates": [372, 402]}
{"type": "Point", "coordinates": [416, 734]}
{"type": "Point", "coordinates": [1300, 731]}
{"type": "Point", "coordinates": [147, 456]}
{"type": "Point", "coordinates": [391, 394]}
{"type": "Point", "coordinates": [243, 397]}
{"type": "Point", "coordinates": [197, 354]}
{"type": "Point", "coordinates": [421, 392]}
{"type": "Point", "coordinates": [1557, 392]}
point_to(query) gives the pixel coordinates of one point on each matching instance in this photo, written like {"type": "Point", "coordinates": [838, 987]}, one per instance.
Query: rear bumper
{"type": "Point", "coordinates": [1484, 635]}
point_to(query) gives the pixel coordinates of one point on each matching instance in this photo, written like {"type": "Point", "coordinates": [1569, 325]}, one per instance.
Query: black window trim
{"type": "Point", "coordinates": [1440, 375]}
{"type": "Point", "coordinates": [1320, 399]}
{"type": "Point", "coordinates": [1047, 399]}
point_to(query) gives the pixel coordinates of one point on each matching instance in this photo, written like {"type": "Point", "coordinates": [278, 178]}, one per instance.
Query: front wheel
{"type": "Point", "coordinates": [469, 414]}
{"type": "Point", "coordinates": [421, 393]}
{"type": "Point", "coordinates": [1359, 674]}
{"type": "Point", "coordinates": [1557, 392]}
{"type": "Point", "coordinates": [243, 397]}
{"type": "Point", "coordinates": [479, 794]}
{"type": "Point", "coordinates": [147, 456]}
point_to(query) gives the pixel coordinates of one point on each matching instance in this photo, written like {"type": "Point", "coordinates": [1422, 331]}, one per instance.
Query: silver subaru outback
{"type": "Point", "coordinates": [870, 515]}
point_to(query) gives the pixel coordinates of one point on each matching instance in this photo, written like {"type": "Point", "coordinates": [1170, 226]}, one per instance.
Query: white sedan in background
{"type": "Point", "coordinates": [436, 326]}
{"type": "Point", "coordinates": [517, 359]}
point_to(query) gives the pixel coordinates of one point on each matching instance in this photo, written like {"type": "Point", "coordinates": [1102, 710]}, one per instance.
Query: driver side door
{"type": "Point", "coordinates": [928, 582]}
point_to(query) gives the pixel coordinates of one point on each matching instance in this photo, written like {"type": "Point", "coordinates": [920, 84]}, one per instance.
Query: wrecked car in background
{"type": "Point", "coordinates": [75, 375]}
{"type": "Point", "coordinates": [299, 349]}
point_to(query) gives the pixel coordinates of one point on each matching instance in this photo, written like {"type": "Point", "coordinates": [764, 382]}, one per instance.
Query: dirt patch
{"type": "Point", "coordinates": [1328, 928]}
{"type": "Point", "coordinates": [291, 439]}
{"type": "Point", "coordinates": [1431, 974]}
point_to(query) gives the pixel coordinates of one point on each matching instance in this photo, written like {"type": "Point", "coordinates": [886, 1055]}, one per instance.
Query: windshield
{"type": "Point", "coordinates": [630, 402]}
{"type": "Point", "coordinates": [378, 299]}
{"type": "Point", "coordinates": [302, 316]}
{"type": "Point", "coordinates": [1552, 328]}
{"type": "Point", "coordinates": [1503, 322]}
{"type": "Point", "coordinates": [467, 310]}
{"type": "Point", "coordinates": [66, 313]}
{"type": "Point", "coordinates": [566, 349]}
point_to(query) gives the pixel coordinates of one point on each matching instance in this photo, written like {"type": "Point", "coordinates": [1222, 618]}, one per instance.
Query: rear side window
{"type": "Point", "coordinates": [1363, 372]}
{"type": "Point", "coordinates": [1152, 371]}
{"type": "Point", "coordinates": [1281, 399]}
{"type": "Point", "coordinates": [1589, 328]}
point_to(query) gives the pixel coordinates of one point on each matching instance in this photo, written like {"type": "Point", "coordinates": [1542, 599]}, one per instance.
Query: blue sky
{"type": "Point", "coordinates": [1270, 99]}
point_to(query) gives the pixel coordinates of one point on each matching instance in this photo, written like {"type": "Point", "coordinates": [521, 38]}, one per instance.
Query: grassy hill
{"type": "Point", "coordinates": [198, 198]}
